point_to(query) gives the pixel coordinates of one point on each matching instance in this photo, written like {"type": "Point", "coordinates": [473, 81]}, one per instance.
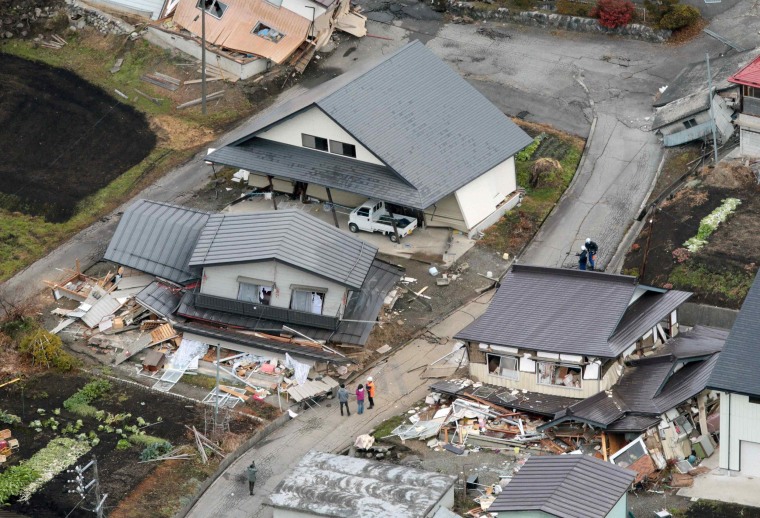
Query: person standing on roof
{"type": "Point", "coordinates": [582, 258]}
{"type": "Point", "coordinates": [370, 392]}
{"type": "Point", "coordinates": [592, 248]}
{"type": "Point", "coordinates": [343, 398]}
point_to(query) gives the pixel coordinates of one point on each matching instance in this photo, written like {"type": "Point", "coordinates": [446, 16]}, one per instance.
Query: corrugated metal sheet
{"type": "Point", "coordinates": [601, 410]}
{"type": "Point", "coordinates": [417, 115]}
{"type": "Point", "coordinates": [233, 29]}
{"type": "Point", "coordinates": [340, 486]}
{"type": "Point", "coordinates": [159, 298]}
{"type": "Point", "coordinates": [570, 486]}
{"type": "Point", "coordinates": [680, 109]}
{"type": "Point", "coordinates": [157, 238]}
{"type": "Point", "coordinates": [749, 75]}
{"type": "Point", "coordinates": [548, 309]}
{"type": "Point", "coordinates": [147, 8]}
{"type": "Point", "coordinates": [739, 364]}
{"type": "Point", "coordinates": [107, 305]}
{"type": "Point", "coordinates": [325, 169]}
{"type": "Point", "coordinates": [289, 236]}
{"type": "Point", "coordinates": [643, 315]}
{"type": "Point", "coordinates": [634, 423]}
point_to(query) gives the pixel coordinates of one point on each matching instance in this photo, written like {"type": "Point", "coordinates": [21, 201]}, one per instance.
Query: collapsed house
{"type": "Point", "coordinates": [407, 130]}
{"type": "Point", "coordinates": [686, 110]}
{"type": "Point", "coordinates": [270, 284]}
{"type": "Point", "coordinates": [323, 484]}
{"type": "Point", "coordinates": [659, 408]}
{"type": "Point", "coordinates": [558, 335]}
{"type": "Point", "coordinates": [735, 377]}
{"type": "Point", "coordinates": [245, 37]}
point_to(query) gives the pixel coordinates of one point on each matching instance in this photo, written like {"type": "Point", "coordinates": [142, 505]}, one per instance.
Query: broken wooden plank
{"type": "Point", "coordinates": [199, 100]}
{"type": "Point", "coordinates": [59, 39]}
{"type": "Point", "coordinates": [122, 94]}
{"type": "Point", "coordinates": [117, 66]}
{"type": "Point", "coordinates": [154, 80]}
{"type": "Point", "coordinates": [156, 100]}
{"type": "Point", "coordinates": [168, 79]}
{"type": "Point", "coordinates": [233, 392]}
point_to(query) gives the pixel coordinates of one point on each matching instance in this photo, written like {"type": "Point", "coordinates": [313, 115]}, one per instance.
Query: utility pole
{"type": "Point", "coordinates": [710, 104]}
{"type": "Point", "coordinates": [218, 394]}
{"type": "Point", "coordinates": [83, 489]}
{"type": "Point", "coordinates": [203, 57]}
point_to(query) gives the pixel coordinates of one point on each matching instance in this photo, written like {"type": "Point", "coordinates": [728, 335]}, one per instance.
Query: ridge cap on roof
{"type": "Point", "coordinates": [166, 204]}
{"type": "Point", "coordinates": [574, 273]}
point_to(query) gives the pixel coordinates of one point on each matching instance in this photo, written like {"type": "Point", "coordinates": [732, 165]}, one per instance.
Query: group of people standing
{"type": "Point", "coordinates": [587, 257]}
{"type": "Point", "coordinates": [362, 392]}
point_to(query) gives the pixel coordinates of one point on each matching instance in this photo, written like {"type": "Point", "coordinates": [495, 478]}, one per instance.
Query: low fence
{"type": "Point", "coordinates": [692, 314]}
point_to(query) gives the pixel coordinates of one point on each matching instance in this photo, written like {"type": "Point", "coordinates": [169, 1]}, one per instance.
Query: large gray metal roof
{"type": "Point", "coordinates": [566, 486]}
{"type": "Point", "coordinates": [554, 310]}
{"type": "Point", "coordinates": [681, 109]}
{"type": "Point", "coordinates": [739, 364]}
{"type": "Point", "coordinates": [416, 114]}
{"type": "Point", "coordinates": [157, 238]}
{"type": "Point", "coordinates": [325, 484]}
{"type": "Point", "coordinates": [288, 236]}
{"type": "Point", "coordinates": [569, 311]}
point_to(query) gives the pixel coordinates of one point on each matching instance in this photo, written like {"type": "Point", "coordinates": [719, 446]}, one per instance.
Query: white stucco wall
{"type": "Point", "coordinates": [739, 421]}
{"type": "Point", "coordinates": [446, 213]}
{"type": "Point", "coordinates": [222, 281]}
{"type": "Point", "coordinates": [300, 8]}
{"type": "Point", "coordinates": [479, 198]}
{"type": "Point", "coordinates": [314, 122]}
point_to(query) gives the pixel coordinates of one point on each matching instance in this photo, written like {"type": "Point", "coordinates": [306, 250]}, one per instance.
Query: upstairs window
{"type": "Point", "coordinates": [313, 142]}
{"type": "Point", "coordinates": [341, 148]}
{"type": "Point", "coordinates": [504, 366]}
{"type": "Point", "coordinates": [256, 293]}
{"type": "Point", "coordinates": [751, 91]}
{"type": "Point", "coordinates": [268, 33]}
{"type": "Point", "coordinates": [564, 375]}
{"type": "Point", "coordinates": [309, 300]}
{"type": "Point", "coordinates": [212, 7]}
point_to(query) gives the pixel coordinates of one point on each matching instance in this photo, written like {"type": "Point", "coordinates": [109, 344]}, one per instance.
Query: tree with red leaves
{"type": "Point", "coordinates": [613, 13]}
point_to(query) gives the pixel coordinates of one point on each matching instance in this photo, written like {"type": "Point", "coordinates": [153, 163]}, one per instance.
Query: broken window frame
{"type": "Point", "coordinates": [256, 289]}
{"type": "Point", "coordinates": [513, 374]}
{"type": "Point", "coordinates": [315, 142]}
{"type": "Point", "coordinates": [221, 7]}
{"type": "Point", "coordinates": [321, 292]}
{"type": "Point", "coordinates": [342, 148]}
{"type": "Point", "coordinates": [751, 91]}
{"type": "Point", "coordinates": [272, 35]}
{"type": "Point", "coordinates": [556, 367]}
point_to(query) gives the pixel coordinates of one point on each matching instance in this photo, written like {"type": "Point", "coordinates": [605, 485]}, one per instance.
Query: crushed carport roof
{"type": "Point", "coordinates": [416, 114]}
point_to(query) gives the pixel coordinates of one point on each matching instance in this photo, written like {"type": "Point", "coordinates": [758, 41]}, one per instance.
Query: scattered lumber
{"type": "Point", "coordinates": [155, 100]}
{"type": "Point", "coordinates": [117, 66]}
{"type": "Point", "coordinates": [195, 102]}
{"type": "Point", "coordinates": [161, 81]}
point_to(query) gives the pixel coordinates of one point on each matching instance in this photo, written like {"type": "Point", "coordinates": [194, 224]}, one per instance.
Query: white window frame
{"type": "Point", "coordinates": [513, 374]}
{"type": "Point", "coordinates": [558, 365]}
{"type": "Point", "coordinates": [314, 291]}
{"type": "Point", "coordinates": [222, 7]}
{"type": "Point", "coordinates": [257, 285]}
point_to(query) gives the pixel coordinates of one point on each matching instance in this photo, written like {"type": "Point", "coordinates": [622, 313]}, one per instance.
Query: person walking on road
{"type": "Point", "coordinates": [251, 470]}
{"type": "Point", "coordinates": [582, 258]}
{"type": "Point", "coordinates": [592, 248]}
{"type": "Point", "coordinates": [360, 399]}
{"type": "Point", "coordinates": [343, 398]}
{"type": "Point", "coordinates": [370, 392]}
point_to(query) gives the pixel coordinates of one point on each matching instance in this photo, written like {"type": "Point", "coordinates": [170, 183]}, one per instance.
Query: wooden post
{"type": "Point", "coordinates": [332, 205]}
{"type": "Point", "coordinates": [604, 446]}
{"type": "Point", "coordinates": [271, 189]}
{"type": "Point", "coordinates": [702, 413]}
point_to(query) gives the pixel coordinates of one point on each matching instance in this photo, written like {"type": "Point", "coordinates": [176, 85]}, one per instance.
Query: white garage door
{"type": "Point", "coordinates": [750, 462]}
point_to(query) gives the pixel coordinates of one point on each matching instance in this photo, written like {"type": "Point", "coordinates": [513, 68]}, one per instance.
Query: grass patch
{"type": "Point", "coordinates": [731, 284]}
{"type": "Point", "coordinates": [205, 382]}
{"type": "Point", "coordinates": [520, 224]}
{"type": "Point", "coordinates": [79, 403]}
{"type": "Point", "coordinates": [386, 427]}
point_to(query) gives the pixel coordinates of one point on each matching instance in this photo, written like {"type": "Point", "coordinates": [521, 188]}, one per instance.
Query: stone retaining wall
{"type": "Point", "coordinates": [558, 21]}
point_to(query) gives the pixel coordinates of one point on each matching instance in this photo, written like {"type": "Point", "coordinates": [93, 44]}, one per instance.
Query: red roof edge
{"type": "Point", "coordinates": [749, 75]}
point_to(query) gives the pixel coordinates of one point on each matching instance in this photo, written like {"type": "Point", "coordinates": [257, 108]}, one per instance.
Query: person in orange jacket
{"type": "Point", "coordinates": [370, 392]}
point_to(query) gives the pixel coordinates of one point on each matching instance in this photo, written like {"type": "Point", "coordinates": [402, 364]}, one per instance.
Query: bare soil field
{"type": "Point", "coordinates": [721, 272]}
{"type": "Point", "coordinates": [64, 138]}
{"type": "Point", "coordinates": [120, 469]}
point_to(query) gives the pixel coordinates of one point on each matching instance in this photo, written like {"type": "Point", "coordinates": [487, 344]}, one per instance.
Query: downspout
{"type": "Point", "coordinates": [729, 431]}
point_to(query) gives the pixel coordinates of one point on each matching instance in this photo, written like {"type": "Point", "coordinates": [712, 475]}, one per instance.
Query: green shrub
{"type": "Point", "coordinates": [528, 151]}
{"type": "Point", "coordinates": [155, 450]}
{"type": "Point", "coordinates": [656, 9]}
{"type": "Point", "coordinates": [679, 16]}
{"type": "Point", "coordinates": [571, 8]}
{"type": "Point", "coordinates": [79, 403]}
{"type": "Point", "coordinates": [45, 348]}
{"type": "Point", "coordinates": [142, 439]}
{"type": "Point", "coordinates": [123, 444]}
{"type": "Point", "coordinates": [14, 480]}
{"type": "Point", "coordinates": [7, 418]}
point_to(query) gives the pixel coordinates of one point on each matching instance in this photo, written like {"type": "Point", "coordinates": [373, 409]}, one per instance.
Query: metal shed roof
{"type": "Point", "coordinates": [340, 486]}
{"type": "Point", "coordinates": [157, 238]}
{"type": "Point", "coordinates": [417, 115]}
{"type": "Point", "coordinates": [567, 486]}
{"type": "Point", "coordinates": [749, 75]}
{"type": "Point", "coordinates": [289, 236]}
{"type": "Point", "coordinates": [739, 363]}
{"type": "Point", "coordinates": [681, 108]}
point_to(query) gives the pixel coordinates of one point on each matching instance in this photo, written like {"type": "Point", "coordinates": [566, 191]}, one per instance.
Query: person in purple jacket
{"type": "Point", "coordinates": [360, 399]}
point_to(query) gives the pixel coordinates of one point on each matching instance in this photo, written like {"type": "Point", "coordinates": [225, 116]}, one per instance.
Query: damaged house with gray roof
{"type": "Point", "coordinates": [267, 283]}
{"type": "Point", "coordinates": [406, 130]}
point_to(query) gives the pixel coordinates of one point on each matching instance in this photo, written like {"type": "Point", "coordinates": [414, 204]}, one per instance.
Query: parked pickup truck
{"type": "Point", "coordinates": [372, 216]}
